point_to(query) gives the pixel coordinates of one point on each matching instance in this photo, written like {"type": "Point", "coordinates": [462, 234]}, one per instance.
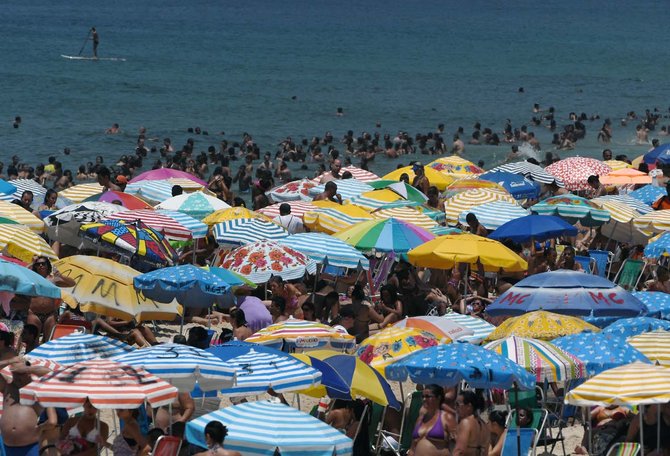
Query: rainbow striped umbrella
{"type": "Point", "coordinates": [543, 359]}
{"type": "Point", "coordinates": [388, 235]}
{"type": "Point", "coordinates": [406, 214]}
{"type": "Point", "coordinates": [465, 201]}
{"type": "Point", "coordinates": [573, 209]}
{"type": "Point", "coordinates": [295, 333]}
{"type": "Point", "coordinates": [495, 214]}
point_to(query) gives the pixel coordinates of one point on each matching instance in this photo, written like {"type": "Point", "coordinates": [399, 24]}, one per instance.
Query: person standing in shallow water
{"type": "Point", "coordinates": [96, 41]}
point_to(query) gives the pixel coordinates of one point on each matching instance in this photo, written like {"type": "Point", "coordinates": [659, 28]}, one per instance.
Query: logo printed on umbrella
{"type": "Point", "coordinates": [307, 342]}
{"type": "Point", "coordinates": [608, 300]}
{"type": "Point", "coordinates": [172, 353]}
{"type": "Point", "coordinates": [514, 299]}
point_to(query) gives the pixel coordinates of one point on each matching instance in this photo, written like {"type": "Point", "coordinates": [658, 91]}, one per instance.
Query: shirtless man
{"type": "Point", "coordinates": [329, 194]}
{"type": "Point", "coordinates": [334, 173]}
{"type": "Point", "coordinates": [105, 179]}
{"type": "Point", "coordinates": [96, 41]}
{"type": "Point", "coordinates": [420, 180]}
{"type": "Point", "coordinates": [641, 133]}
{"type": "Point", "coordinates": [458, 147]}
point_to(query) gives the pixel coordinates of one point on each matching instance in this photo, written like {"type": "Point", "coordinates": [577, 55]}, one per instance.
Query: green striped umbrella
{"type": "Point", "coordinates": [573, 209]}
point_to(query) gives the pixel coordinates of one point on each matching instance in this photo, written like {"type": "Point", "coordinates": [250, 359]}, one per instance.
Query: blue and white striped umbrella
{"type": "Point", "coordinates": [259, 368]}
{"type": "Point", "coordinates": [494, 214]}
{"type": "Point", "coordinates": [481, 328]}
{"type": "Point", "coordinates": [347, 188]}
{"type": "Point", "coordinates": [648, 194]}
{"type": "Point", "coordinates": [657, 302]}
{"type": "Point", "coordinates": [262, 428]}
{"type": "Point", "coordinates": [77, 347]}
{"type": "Point", "coordinates": [153, 191]}
{"type": "Point", "coordinates": [181, 366]}
{"type": "Point", "coordinates": [536, 172]}
{"type": "Point", "coordinates": [629, 201]}
{"type": "Point", "coordinates": [196, 227]}
{"type": "Point", "coordinates": [629, 327]}
{"type": "Point", "coordinates": [242, 231]}
{"type": "Point", "coordinates": [327, 250]}
{"type": "Point", "coordinates": [39, 191]}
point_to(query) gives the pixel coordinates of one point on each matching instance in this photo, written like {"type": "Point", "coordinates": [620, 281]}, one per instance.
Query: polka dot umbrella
{"type": "Point", "coordinates": [575, 171]}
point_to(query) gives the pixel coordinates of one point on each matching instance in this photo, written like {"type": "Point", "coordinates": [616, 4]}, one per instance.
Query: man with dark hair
{"type": "Point", "coordinates": [177, 190]}
{"type": "Point", "coordinates": [598, 188]}
{"type": "Point", "coordinates": [289, 221]}
{"type": "Point", "coordinates": [105, 179]}
{"type": "Point", "coordinates": [329, 193]}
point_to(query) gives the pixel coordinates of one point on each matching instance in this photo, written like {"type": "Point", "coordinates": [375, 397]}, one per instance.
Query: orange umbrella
{"type": "Point", "coordinates": [625, 176]}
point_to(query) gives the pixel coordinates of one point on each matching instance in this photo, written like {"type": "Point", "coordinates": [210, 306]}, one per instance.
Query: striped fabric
{"type": "Point", "coordinates": [537, 173]}
{"type": "Point", "coordinates": [261, 428]}
{"type": "Point", "coordinates": [619, 211]}
{"type": "Point", "coordinates": [330, 220]}
{"type": "Point", "coordinates": [302, 334]}
{"type": "Point", "coordinates": [464, 201]}
{"type": "Point", "coordinates": [440, 230]}
{"type": "Point", "coordinates": [360, 174]}
{"type": "Point", "coordinates": [654, 345]}
{"type": "Point", "coordinates": [75, 348]}
{"type": "Point", "coordinates": [19, 214]}
{"type": "Point", "coordinates": [157, 191]}
{"type": "Point", "coordinates": [481, 327]}
{"type": "Point", "coordinates": [23, 244]}
{"type": "Point", "coordinates": [197, 228]}
{"type": "Point", "coordinates": [369, 203]}
{"type": "Point", "coordinates": [436, 215]}
{"type": "Point", "coordinates": [493, 215]}
{"type": "Point", "coordinates": [658, 246]}
{"type": "Point", "coordinates": [80, 192]}
{"type": "Point", "coordinates": [182, 366]}
{"type": "Point", "coordinates": [197, 204]}
{"type": "Point", "coordinates": [325, 249]}
{"type": "Point", "coordinates": [573, 208]}
{"type": "Point", "coordinates": [653, 222]}
{"type": "Point", "coordinates": [347, 188]}
{"type": "Point", "coordinates": [628, 200]}
{"type": "Point", "coordinates": [298, 208]}
{"type": "Point", "coordinates": [161, 222]}
{"type": "Point", "coordinates": [245, 231]}
{"type": "Point", "coordinates": [407, 214]}
{"type": "Point", "coordinates": [633, 384]}
{"type": "Point", "coordinates": [107, 384]}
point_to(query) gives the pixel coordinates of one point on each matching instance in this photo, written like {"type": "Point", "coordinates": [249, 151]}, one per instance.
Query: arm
{"type": "Point", "coordinates": [496, 450]}
{"type": "Point", "coordinates": [462, 437]}
{"type": "Point", "coordinates": [633, 429]}
{"type": "Point", "coordinates": [188, 407]}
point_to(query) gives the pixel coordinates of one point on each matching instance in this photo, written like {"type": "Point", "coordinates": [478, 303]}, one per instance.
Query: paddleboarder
{"type": "Point", "coordinates": [96, 41]}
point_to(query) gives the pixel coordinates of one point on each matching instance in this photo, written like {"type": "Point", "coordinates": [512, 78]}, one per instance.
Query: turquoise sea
{"type": "Point", "coordinates": [236, 66]}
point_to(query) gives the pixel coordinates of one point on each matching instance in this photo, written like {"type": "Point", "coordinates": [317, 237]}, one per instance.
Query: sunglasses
{"type": "Point", "coordinates": [41, 263]}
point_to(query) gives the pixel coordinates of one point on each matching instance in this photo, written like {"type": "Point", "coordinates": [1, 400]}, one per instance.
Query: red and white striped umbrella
{"type": "Point", "coordinates": [360, 174]}
{"type": "Point", "coordinates": [106, 384]}
{"type": "Point", "coordinates": [166, 225]}
{"type": "Point", "coordinates": [8, 375]}
{"type": "Point", "coordinates": [575, 171]}
{"type": "Point", "coordinates": [298, 208]}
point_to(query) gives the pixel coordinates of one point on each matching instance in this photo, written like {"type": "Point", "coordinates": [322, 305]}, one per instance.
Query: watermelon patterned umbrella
{"type": "Point", "coordinates": [292, 191]}
{"type": "Point", "coordinates": [575, 171]}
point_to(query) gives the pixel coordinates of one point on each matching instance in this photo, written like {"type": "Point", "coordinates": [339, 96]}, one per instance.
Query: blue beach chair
{"type": "Point", "coordinates": [519, 442]}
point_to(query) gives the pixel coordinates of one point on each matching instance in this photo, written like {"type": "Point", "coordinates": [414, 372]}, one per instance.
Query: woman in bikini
{"type": "Point", "coordinates": [130, 441]}
{"type": "Point", "coordinates": [435, 428]}
{"type": "Point", "coordinates": [474, 434]}
{"type": "Point", "coordinates": [81, 435]}
{"type": "Point", "coordinates": [287, 291]}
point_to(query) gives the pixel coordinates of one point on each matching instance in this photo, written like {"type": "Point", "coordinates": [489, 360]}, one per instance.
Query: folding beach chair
{"type": "Point", "coordinates": [399, 444]}
{"type": "Point", "coordinates": [603, 260]}
{"type": "Point", "coordinates": [629, 274]}
{"type": "Point", "coordinates": [166, 445]}
{"type": "Point", "coordinates": [538, 423]}
{"type": "Point", "coordinates": [588, 263]}
{"type": "Point", "coordinates": [524, 445]}
{"type": "Point", "coordinates": [61, 330]}
{"type": "Point", "coordinates": [624, 449]}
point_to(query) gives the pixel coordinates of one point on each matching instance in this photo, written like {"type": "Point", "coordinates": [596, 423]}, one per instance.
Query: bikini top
{"type": "Point", "coordinates": [436, 432]}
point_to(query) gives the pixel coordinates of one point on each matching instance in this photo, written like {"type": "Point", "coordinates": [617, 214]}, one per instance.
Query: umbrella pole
{"type": "Point", "coordinates": [518, 429]}
{"type": "Point", "coordinates": [640, 413]}
{"type": "Point", "coordinates": [97, 427]}
{"type": "Point", "coordinates": [402, 395]}
{"type": "Point", "coordinates": [170, 412]}
{"type": "Point", "coordinates": [658, 428]}
{"type": "Point", "coordinates": [181, 326]}
{"type": "Point", "coordinates": [587, 420]}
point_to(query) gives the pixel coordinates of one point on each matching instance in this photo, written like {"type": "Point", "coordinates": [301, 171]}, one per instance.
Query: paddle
{"type": "Point", "coordinates": [85, 41]}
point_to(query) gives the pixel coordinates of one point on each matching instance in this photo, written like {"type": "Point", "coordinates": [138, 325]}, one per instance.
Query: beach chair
{"type": "Point", "coordinates": [375, 426]}
{"type": "Point", "coordinates": [630, 273]}
{"type": "Point", "coordinates": [624, 449]}
{"type": "Point", "coordinates": [166, 445]}
{"type": "Point", "coordinates": [588, 263]}
{"type": "Point", "coordinates": [538, 423]}
{"type": "Point", "coordinates": [603, 260]}
{"type": "Point", "coordinates": [524, 445]}
{"type": "Point", "coordinates": [524, 398]}
{"type": "Point", "coordinates": [411, 407]}
{"type": "Point", "coordinates": [61, 330]}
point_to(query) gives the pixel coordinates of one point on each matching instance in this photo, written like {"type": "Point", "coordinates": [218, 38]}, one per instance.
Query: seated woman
{"type": "Point", "coordinates": [130, 441]}
{"type": "Point", "coordinates": [347, 416]}
{"type": "Point", "coordinates": [239, 322]}
{"type": "Point", "coordinates": [390, 306]}
{"type": "Point", "coordinates": [82, 434]}
{"type": "Point", "coordinates": [474, 434]}
{"type": "Point", "coordinates": [215, 433]}
{"type": "Point", "coordinates": [287, 291]}
{"type": "Point", "coordinates": [435, 428]}
{"type": "Point", "coordinates": [498, 421]}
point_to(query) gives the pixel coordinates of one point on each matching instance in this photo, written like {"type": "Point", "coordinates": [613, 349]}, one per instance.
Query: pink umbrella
{"type": "Point", "coordinates": [360, 174]}
{"type": "Point", "coordinates": [298, 208]}
{"type": "Point", "coordinates": [166, 173]}
{"type": "Point", "coordinates": [575, 171]}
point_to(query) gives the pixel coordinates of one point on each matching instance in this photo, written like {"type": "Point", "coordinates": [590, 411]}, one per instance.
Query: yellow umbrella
{"type": "Point", "coordinates": [232, 213]}
{"type": "Point", "coordinates": [654, 345]}
{"type": "Point", "coordinates": [23, 244]}
{"type": "Point", "coordinates": [636, 162]}
{"type": "Point", "coordinates": [444, 252]}
{"type": "Point", "coordinates": [455, 165]}
{"type": "Point", "coordinates": [462, 185]}
{"type": "Point", "coordinates": [620, 227]}
{"type": "Point", "coordinates": [335, 217]}
{"type": "Point", "coordinates": [106, 287]}
{"type": "Point", "coordinates": [619, 211]}
{"type": "Point", "coordinates": [464, 201]}
{"type": "Point", "coordinates": [541, 325]}
{"type": "Point", "coordinates": [653, 222]}
{"type": "Point", "coordinates": [616, 165]}
{"type": "Point", "coordinates": [19, 214]}
{"type": "Point", "coordinates": [394, 343]}
{"type": "Point", "coordinates": [625, 176]}
{"type": "Point", "coordinates": [408, 214]}
{"type": "Point", "coordinates": [436, 178]}
{"type": "Point", "coordinates": [79, 193]}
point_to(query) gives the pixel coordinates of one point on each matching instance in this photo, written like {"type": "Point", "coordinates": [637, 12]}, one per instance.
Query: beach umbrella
{"type": "Point", "coordinates": [629, 327]}
{"type": "Point", "coordinates": [628, 200]}
{"type": "Point", "coordinates": [21, 185]}
{"type": "Point", "coordinates": [385, 235]}
{"type": "Point", "coordinates": [575, 171]}
{"type": "Point", "coordinates": [164, 174]}
{"type": "Point", "coordinates": [653, 222]}
{"type": "Point", "coordinates": [435, 214]}
{"type": "Point", "coordinates": [156, 191]}
{"type": "Point", "coordinates": [658, 154]}
{"type": "Point", "coordinates": [190, 285]}
{"type": "Point", "coordinates": [481, 328]}
{"type": "Point", "coordinates": [535, 172]}
{"type": "Point", "coordinates": [517, 185]}
{"type": "Point", "coordinates": [381, 199]}
{"type": "Point", "coordinates": [298, 208]}
{"type": "Point", "coordinates": [440, 327]}
{"type": "Point", "coordinates": [132, 239]}
{"type": "Point", "coordinates": [126, 200]}
{"type": "Point", "coordinates": [541, 358]}
{"type": "Point", "coordinates": [261, 260]}
{"type": "Point", "coordinates": [259, 368]}
{"type": "Point", "coordinates": [541, 325]}
{"type": "Point", "coordinates": [231, 278]}
{"type": "Point", "coordinates": [599, 352]}
{"type": "Point", "coordinates": [105, 287]}
{"type": "Point", "coordinates": [360, 379]}
{"type": "Point", "coordinates": [534, 227]}
{"type": "Point", "coordinates": [398, 188]}
{"type": "Point", "coordinates": [474, 183]}
{"type": "Point", "coordinates": [567, 292]}
{"type": "Point", "coordinates": [444, 252]}
{"type": "Point", "coordinates": [105, 383]}
{"type": "Point", "coordinates": [626, 176]}
{"type": "Point", "coordinates": [406, 214]}
{"type": "Point", "coordinates": [347, 188]}
{"type": "Point", "coordinates": [633, 384]}
{"type": "Point", "coordinates": [197, 228]}
{"type": "Point", "coordinates": [7, 190]}
{"type": "Point", "coordinates": [495, 214]}
{"type": "Point", "coordinates": [267, 428]}
{"type": "Point", "coordinates": [331, 220]}
{"type": "Point", "coordinates": [197, 204]}
{"type": "Point", "coordinates": [454, 164]}
{"type": "Point", "coordinates": [657, 302]}
{"type": "Point", "coordinates": [658, 246]}
{"type": "Point", "coordinates": [292, 191]}
{"type": "Point", "coordinates": [302, 334]}
{"type": "Point", "coordinates": [245, 231]}
{"type": "Point", "coordinates": [328, 250]}
{"type": "Point", "coordinates": [181, 366]}
{"type": "Point", "coordinates": [616, 165]}
{"type": "Point", "coordinates": [78, 193]}
{"type": "Point", "coordinates": [78, 347]}
{"type": "Point", "coordinates": [19, 214]}
{"type": "Point", "coordinates": [573, 209]}
{"type": "Point", "coordinates": [160, 221]}
{"type": "Point", "coordinates": [648, 194]}
{"type": "Point", "coordinates": [63, 225]}
{"type": "Point", "coordinates": [22, 243]}
{"type": "Point", "coordinates": [654, 345]}
{"type": "Point", "coordinates": [232, 213]}
{"type": "Point", "coordinates": [16, 279]}
{"type": "Point", "coordinates": [448, 365]}
{"type": "Point", "coordinates": [441, 230]}
{"type": "Point", "coordinates": [393, 343]}
{"type": "Point", "coordinates": [359, 174]}
{"type": "Point", "coordinates": [436, 178]}
{"type": "Point", "coordinates": [465, 201]}
{"type": "Point", "coordinates": [620, 227]}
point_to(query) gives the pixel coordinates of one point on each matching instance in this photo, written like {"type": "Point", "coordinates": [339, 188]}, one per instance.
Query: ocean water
{"type": "Point", "coordinates": [275, 69]}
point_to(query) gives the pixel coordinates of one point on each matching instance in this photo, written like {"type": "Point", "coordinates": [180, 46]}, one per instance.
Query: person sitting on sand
{"type": "Point", "coordinates": [215, 434]}
{"type": "Point", "coordinates": [239, 323]}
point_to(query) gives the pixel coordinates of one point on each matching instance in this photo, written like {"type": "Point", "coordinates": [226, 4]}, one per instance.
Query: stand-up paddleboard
{"type": "Point", "coordinates": [107, 59]}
